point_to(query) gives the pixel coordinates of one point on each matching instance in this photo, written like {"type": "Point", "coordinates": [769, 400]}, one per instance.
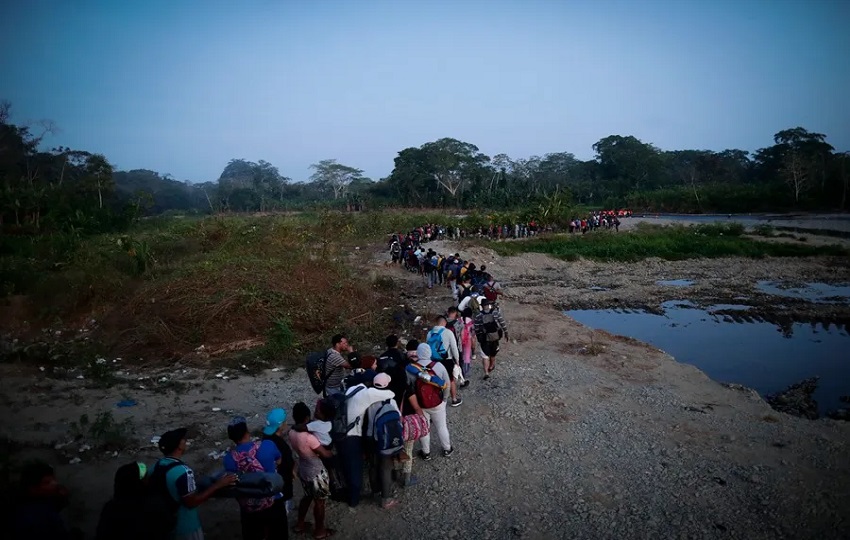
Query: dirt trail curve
{"type": "Point", "coordinates": [560, 443]}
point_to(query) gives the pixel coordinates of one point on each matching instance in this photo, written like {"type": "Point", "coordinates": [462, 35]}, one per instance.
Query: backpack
{"type": "Point", "coordinates": [388, 432]}
{"type": "Point", "coordinates": [435, 341]}
{"type": "Point", "coordinates": [247, 462]}
{"type": "Point", "coordinates": [491, 327]}
{"type": "Point", "coordinates": [428, 394]}
{"type": "Point", "coordinates": [315, 367]}
{"type": "Point", "coordinates": [467, 333]}
{"type": "Point", "coordinates": [161, 506]}
{"type": "Point", "coordinates": [340, 426]}
{"type": "Point", "coordinates": [490, 293]}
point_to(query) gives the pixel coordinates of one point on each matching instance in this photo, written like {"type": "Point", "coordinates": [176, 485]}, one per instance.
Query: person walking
{"type": "Point", "coordinates": [435, 415]}
{"type": "Point", "coordinates": [175, 481]}
{"type": "Point", "coordinates": [444, 350]}
{"type": "Point", "coordinates": [490, 327]}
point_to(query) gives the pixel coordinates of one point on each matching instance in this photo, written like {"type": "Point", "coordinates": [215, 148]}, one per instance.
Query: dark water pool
{"type": "Point", "coordinates": [755, 354]}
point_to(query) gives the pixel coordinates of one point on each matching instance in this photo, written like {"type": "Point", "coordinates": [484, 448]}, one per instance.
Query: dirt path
{"type": "Point", "coordinates": [558, 444]}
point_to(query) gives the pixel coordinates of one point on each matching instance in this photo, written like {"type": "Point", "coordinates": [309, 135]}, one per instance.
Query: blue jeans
{"type": "Point", "coordinates": [351, 458]}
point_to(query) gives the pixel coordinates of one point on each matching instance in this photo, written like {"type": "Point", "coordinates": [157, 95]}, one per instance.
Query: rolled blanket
{"type": "Point", "coordinates": [414, 427]}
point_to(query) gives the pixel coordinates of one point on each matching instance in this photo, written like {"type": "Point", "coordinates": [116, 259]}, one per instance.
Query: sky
{"type": "Point", "coordinates": [182, 87]}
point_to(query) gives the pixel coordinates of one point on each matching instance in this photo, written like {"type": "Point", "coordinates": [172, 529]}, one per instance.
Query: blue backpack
{"type": "Point", "coordinates": [435, 341]}
{"type": "Point", "coordinates": [388, 434]}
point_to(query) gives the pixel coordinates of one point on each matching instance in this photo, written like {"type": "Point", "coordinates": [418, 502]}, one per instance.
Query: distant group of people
{"type": "Point", "coordinates": [430, 231]}
{"type": "Point", "coordinates": [600, 219]}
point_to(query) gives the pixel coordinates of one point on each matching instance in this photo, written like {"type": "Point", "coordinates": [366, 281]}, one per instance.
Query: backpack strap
{"type": "Point", "coordinates": [159, 478]}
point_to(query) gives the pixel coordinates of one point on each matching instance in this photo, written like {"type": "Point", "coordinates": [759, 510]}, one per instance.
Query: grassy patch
{"type": "Point", "coordinates": [165, 287]}
{"type": "Point", "coordinates": [103, 432]}
{"type": "Point", "coordinates": [671, 243]}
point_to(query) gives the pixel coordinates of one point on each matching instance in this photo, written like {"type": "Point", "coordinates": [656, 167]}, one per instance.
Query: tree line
{"type": "Point", "coordinates": [68, 189]}
{"type": "Point", "coordinates": [799, 171]}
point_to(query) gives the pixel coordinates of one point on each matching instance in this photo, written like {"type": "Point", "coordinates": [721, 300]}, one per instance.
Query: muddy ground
{"type": "Point", "coordinates": [579, 434]}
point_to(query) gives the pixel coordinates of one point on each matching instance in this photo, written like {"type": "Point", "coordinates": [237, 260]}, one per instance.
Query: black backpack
{"type": "Point", "coordinates": [160, 505]}
{"type": "Point", "coordinates": [315, 366]}
{"type": "Point", "coordinates": [341, 424]}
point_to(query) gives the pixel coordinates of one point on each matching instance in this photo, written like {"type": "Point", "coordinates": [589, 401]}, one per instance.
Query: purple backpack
{"type": "Point", "coordinates": [247, 462]}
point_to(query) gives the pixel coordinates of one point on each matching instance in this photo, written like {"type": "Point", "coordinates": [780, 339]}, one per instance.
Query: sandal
{"type": "Point", "coordinates": [328, 534]}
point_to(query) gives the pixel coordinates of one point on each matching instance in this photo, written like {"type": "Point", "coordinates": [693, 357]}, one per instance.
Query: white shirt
{"type": "Point", "coordinates": [358, 403]}
{"type": "Point", "coordinates": [322, 431]}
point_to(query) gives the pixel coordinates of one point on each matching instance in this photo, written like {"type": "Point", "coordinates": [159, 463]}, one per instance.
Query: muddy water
{"type": "Point", "coordinates": [759, 355]}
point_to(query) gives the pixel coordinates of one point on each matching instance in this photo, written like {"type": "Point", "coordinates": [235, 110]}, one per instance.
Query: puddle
{"type": "Point", "coordinates": [598, 288]}
{"type": "Point", "coordinates": [819, 293]}
{"type": "Point", "coordinates": [755, 354]}
{"type": "Point", "coordinates": [675, 282]}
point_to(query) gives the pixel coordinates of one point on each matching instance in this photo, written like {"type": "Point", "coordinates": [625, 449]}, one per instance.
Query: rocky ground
{"type": "Point", "coordinates": [579, 434]}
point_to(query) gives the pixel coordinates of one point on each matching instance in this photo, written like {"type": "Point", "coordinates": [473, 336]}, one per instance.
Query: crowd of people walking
{"type": "Point", "coordinates": [370, 414]}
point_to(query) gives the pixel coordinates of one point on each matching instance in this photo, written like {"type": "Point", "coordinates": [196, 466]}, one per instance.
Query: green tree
{"type": "Point", "coordinates": [627, 164]}
{"type": "Point", "coordinates": [333, 176]}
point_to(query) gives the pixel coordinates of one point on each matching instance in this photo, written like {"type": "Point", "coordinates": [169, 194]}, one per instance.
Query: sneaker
{"type": "Point", "coordinates": [424, 456]}
{"type": "Point", "coordinates": [447, 453]}
{"type": "Point", "coordinates": [465, 383]}
{"type": "Point", "coordinates": [457, 402]}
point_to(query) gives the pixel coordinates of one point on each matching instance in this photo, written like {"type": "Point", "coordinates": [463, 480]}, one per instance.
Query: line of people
{"type": "Point", "coordinates": [371, 413]}
{"type": "Point", "coordinates": [603, 219]}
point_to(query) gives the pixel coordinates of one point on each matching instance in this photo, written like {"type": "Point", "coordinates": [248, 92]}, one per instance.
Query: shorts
{"type": "Point", "coordinates": [489, 348]}
{"type": "Point", "coordinates": [319, 488]}
{"type": "Point", "coordinates": [450, 366]}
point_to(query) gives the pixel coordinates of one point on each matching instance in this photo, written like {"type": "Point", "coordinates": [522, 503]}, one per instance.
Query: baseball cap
{"type": "Point", "coordinates": [274, 420]}
{"type": "Point", "coordinates": [381, 380]}
{"type": "Point", "coordinates": [170, 440]}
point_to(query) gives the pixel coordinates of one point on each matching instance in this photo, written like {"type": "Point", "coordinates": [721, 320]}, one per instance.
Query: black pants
{"type": "Point", "coordinates": [268, 524]}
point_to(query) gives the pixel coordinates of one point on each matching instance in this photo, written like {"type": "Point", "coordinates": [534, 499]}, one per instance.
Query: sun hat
{"type": "Point", "coordinates": [274, 420]}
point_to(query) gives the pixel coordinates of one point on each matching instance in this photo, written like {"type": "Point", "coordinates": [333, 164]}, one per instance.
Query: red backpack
{"type": "Point", "coordinates": [247, 462]}
{"type": "Point", "coordinates": [428, 395]}
{"type": "Point", "coordinates": [490, 293]}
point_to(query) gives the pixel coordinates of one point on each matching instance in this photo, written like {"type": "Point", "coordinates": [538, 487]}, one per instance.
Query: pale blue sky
{"type": "Point", "coordinates": [181, 87]}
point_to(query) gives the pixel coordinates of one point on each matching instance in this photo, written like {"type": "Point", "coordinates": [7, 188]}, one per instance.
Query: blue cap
{"type": "Point", "coordinates": [274, 419]}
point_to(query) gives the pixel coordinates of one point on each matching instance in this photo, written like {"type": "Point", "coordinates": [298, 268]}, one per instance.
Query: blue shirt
{"type": "Point", "coordinates": [267, 454]}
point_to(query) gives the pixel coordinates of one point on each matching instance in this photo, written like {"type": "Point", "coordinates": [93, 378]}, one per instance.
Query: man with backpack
{"type": "Point", "coordinates": [490, 327]}
{"type": "Point", "coordinates": [456, 323]}
{"type": "Point", "coordinates": [385, 441]}
{"type": "Point", "coordinates": [347, 432]}
{"type": "Point", "coordinates": [491, 289]}
{"type": "Point", "coordinates": [433, 402]}
{"type": "Point", "coordinates": [335, 364]}
{"type": "Point", "coordinates": [264, 516]}
{"type": "Point", "coordinates": [174, 483]}
{"type": "Point", "coordinates": [444, 350]}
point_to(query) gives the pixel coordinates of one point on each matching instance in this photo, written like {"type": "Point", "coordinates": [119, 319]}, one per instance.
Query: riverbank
{"type": "Point", "coordinates": [837, 224]}
{"type": "Point", "coordinates": [579, 434]}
